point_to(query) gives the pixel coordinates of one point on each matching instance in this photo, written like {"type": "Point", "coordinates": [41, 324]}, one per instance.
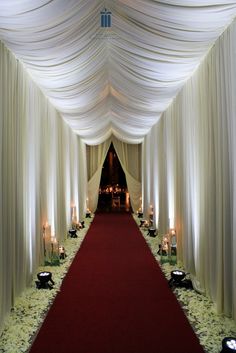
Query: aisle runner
{"type": "Point", "coordinates": [115, 299]}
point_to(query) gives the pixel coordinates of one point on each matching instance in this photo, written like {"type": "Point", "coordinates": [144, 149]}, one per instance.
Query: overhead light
{"type": "Point", "coordinates": [43, 280]}
{"type": "Point", "coordinates": [228, 345]}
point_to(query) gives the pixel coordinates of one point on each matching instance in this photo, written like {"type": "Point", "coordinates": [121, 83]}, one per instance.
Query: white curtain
{"type": "Point", "coordinates": [191, 154]}
{"type": "Point", "coordinates": [41, 164]}
{"type": "Point", "coordinates": [82, 177]}
{"type": "Point", "coordinates": [129, 157]}
{"type": "Point", "coordinates": [95, 158]}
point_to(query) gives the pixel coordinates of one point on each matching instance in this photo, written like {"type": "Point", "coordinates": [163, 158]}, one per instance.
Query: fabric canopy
{"type": "Point", "coordinates": [112, 80]}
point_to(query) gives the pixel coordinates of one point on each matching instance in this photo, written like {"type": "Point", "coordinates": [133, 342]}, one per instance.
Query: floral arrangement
{"type": "Point", "coordinates": [31, 307]}
{"type": "Point", "coordinates": [209, 326]}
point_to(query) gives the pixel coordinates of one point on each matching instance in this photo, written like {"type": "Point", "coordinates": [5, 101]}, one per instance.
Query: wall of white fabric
{"type": "Point", "coordinates": [189, 172]}
{"type": "Point", "coordinates": [41, 177]}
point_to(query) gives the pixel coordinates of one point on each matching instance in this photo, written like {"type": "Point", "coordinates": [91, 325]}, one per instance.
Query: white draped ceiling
{"type": "Point", "coordinates": [117, 80]}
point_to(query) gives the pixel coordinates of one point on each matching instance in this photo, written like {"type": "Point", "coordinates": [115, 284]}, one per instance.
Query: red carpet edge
{"type": "Point", "coordinates": [115, 299]}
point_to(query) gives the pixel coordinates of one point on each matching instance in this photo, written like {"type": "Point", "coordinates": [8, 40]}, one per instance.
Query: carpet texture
{"type": "Point", "coordinates": [115, 299]}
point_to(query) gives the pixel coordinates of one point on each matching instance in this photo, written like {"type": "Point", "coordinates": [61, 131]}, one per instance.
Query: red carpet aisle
{"type": "Point", "coordinates": [115, 299]}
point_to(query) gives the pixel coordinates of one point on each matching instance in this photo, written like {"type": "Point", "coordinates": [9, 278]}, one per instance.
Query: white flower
{"type": "Point", "coordinates": [210, 327]}
{"type": "Point", "coordinates": [31, 307]}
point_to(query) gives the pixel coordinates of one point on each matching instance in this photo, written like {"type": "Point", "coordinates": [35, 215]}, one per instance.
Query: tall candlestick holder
{"type": "Point", "coordinates": [173, 246]}
{"type": "Point", "coordinates": [50, 247]}
{"type": "Point", "coordinates": [55, 257]}
{"type": "Point", "coordinates": [44, 240]}
{"type": "Point", "coordinates": [168, 248]}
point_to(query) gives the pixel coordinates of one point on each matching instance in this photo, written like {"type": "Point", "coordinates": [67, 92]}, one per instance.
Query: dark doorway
{"type": "Point", "coordinates": [113, 193]}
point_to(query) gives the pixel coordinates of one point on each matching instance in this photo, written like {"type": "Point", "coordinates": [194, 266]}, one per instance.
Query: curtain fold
{"type": "Point", "coordinates": [191, 153]}
{"type": "Point", "coordinates": [95, 158]}
{"type": "Point", "coordinates": [39, 178]}
{"type": "Point", "coordinates": [130, 159]}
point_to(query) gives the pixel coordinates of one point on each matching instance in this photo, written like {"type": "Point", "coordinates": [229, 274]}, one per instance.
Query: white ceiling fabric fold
{"type": "Point", "coordinates": [117, 80]}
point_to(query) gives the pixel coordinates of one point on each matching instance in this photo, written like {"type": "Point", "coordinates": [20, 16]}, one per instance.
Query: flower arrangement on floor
{"type": "Point", "coordinates": [209, 326]}
{"type": "Point", "coordinates": [31, 307]}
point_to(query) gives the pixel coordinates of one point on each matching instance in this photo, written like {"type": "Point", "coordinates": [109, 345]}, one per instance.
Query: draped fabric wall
{"type": "Point", "coordinates": [40, 161]}
{"type": "Point", "coordinates": [129, 156]}
{"type": "Point", "coordinates": [95, 158]}
{"type": "Point", "coordinates": [192, 149]}
{"type": "Point", "coordinates": [154, 176]}
{"type": "Point", "coordinates": [81, 178]}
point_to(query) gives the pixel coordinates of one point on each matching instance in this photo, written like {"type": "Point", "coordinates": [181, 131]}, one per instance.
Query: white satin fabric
{"type": "Point", "coordinates": [95, 159]}
{"type": "Point", "coordinates": [43, 173]}
{"type": "Point", "coordinates": [129, 157]}
{"type": "Point", "coordinates": [189, 173]}
{"type": "Point", "coordinates": [117, 80]}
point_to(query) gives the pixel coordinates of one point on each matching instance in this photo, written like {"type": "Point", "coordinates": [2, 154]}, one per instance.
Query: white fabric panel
{"type": "Point", "coordinates": [148, 189]}
{"type": "Point", "coordinates": [154, 178]}
{"type": "Point", "coordinates": [130, 160]}
{"type": "Point", "coordinates": [95, 159]}
{"type": "Point", "coordinates": [129, 157]}
{"type": "Point", "coordinates": [38, 180]}
{"type": "Point", "coordinates": [196, 137]}
{"type": "Point", "coordinates": [82, 178]}
{"type": "Point", "coordinates": [229, 73]}
{"type": "Point", "coordinates": [117, 80]}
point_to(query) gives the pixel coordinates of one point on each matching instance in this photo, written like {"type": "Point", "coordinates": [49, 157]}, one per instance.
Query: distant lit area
{"type": "Point", "coordinates": [113, 192]}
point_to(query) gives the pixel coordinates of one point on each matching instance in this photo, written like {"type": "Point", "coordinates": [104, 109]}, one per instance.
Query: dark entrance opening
{"type": "Point", "coordinates": [113, 192]}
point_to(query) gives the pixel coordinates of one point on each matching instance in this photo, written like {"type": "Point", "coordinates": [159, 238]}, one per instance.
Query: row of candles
{"type": "Point", "coordinates": [140, 210]}
{"type": "Point", "coordinates": [147, 223]}
{"type": "Point", "coordinates": [169, 241]}
{"type": "Point", "coordinates": [168, 245]}
{"type": "Point", "coordinates": [151, 216]}
{"type": "Point", "coordinates": [50, 243]}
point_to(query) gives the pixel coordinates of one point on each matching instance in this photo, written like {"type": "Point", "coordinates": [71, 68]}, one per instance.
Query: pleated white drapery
{"type": "Point", "coordinates": [117, 80]}
{"type": "Point", "coordinates": [41, 163]}
{"type": "Point", "coordinates": [129, 157]}
{"type": "Point", "coordinates": [95, 158]}
{"type": "Point", "coordinates": [191, 154]}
